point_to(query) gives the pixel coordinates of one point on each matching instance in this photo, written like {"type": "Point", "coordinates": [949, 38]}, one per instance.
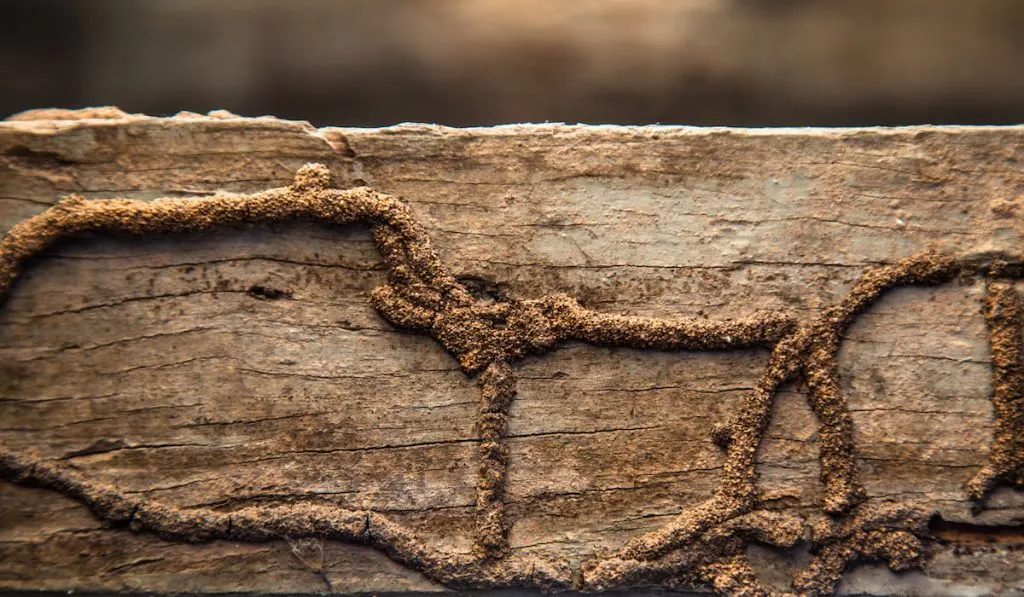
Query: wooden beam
{"type": "Point", "coordinates": [251, 355]}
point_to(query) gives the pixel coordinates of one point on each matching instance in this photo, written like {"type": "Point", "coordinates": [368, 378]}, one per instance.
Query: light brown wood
{"type": "Point", "coordinates": [247, 366]}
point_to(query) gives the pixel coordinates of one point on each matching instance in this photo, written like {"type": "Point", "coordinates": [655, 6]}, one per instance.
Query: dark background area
{"type": "Point", "coordinates": [481, 62]}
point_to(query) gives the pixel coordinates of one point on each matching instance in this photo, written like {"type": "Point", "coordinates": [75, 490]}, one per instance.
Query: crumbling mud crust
{"type": "Point", "coordinates": [1004, 312]}
{"type": "Point", "coordinates": [704, 545]}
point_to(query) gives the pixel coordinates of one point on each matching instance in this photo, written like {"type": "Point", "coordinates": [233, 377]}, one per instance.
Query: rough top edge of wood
{"type": "Point", "coordinates": [92, 116]}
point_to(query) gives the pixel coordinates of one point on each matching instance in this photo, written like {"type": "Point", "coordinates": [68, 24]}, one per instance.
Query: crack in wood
{"type": "Point", "coordinates": [705, 543]}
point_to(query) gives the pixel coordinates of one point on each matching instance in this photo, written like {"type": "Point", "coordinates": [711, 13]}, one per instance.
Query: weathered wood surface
{"type": "Point", "coordinates": [247, 366]}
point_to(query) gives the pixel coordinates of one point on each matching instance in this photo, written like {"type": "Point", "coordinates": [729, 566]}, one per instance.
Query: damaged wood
{"type": "Point", "coordinates": [676, 326]}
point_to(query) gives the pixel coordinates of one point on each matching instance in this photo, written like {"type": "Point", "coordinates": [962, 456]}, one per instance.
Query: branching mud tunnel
{"type": "Point", "coordinates": [706, 544]}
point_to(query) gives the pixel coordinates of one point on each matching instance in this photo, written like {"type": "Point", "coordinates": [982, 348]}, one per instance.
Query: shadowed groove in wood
{"type": "Point", "coordinates": [704, 544]}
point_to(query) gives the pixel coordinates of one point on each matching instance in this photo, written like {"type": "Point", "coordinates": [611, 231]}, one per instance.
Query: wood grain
{"type": "Point", "coordinates": [247, 366]}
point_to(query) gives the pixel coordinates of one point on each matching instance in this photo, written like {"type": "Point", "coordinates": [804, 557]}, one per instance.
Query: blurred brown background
{"type": "Point", "coordinates": [478, 62]}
